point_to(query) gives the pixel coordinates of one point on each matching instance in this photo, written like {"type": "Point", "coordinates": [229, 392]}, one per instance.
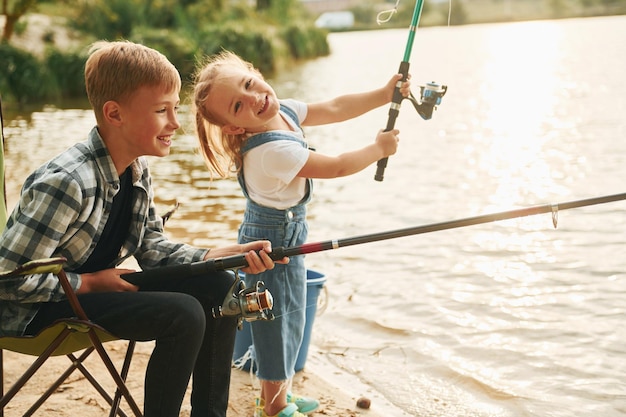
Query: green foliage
{"type": "Point", "coordinates": [20, 27]}
{"type": "Point", "coordinates": [23, 78]}
{"type": "Point", "coordinates": [283, 11]}
{"type": "Point", "coordinates": [255, 43]}
{"type": "Point", "coordinates": [67, 71]}
{"type": "Point", "coordinates": [199, 14]}
{"type": "Point", "coordinates": [183, 30]}
{"type": "Point", "coordinates": [114, 19]}
{"type": "Point", "coordinates": [27, 79]}
{"type": "Point", "coordinates": [245, 39]}
{"type": "Point", "coordinates": [110, 19]}
{"type": "Point", "coordinates": [305, 42]}
{"type": "Point", "coordinates": [236, 13]}
{"type": "Point", "coordinates": [179, 49]}
{"type": "Point", "coordinates": [365, 15]}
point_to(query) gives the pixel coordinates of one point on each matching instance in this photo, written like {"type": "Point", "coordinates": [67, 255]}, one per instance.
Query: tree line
{"type": "Point", "coordinates": [269, 33]}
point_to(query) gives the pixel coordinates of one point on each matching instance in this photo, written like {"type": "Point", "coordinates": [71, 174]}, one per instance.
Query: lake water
{"type": "Point", "coordinates": [513, 318]}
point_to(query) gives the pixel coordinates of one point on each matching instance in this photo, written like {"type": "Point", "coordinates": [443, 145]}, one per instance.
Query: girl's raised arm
{"type": "Point", "coordinates": [349, 106]}
{"type": "Point", "coordinates": [348, 163]}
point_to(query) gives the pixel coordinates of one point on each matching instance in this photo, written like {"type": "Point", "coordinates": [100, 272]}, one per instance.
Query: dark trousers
{"type": "Point", "coordinates": [177, 315]}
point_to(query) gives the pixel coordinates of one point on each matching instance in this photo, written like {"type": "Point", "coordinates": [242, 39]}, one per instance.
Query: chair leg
{"type": "Point", "coordinates": [77, 364]}
{"type": "Point", "coordinates": [121, 384]}
{"type": "Point", "coordinates": [33, 368]}
{"type": "Point", "coordinates": [101, 390]}
{"type": "Point", "coordinates": [124, 374]}
{"type": "Point", "coordinates": [58, 382]}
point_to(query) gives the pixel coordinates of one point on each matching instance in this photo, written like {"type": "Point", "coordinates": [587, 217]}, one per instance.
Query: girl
{"type": "Point", "coordinates": [243, 126]}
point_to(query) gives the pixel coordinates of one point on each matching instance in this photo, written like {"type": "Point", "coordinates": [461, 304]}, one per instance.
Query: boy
{"type": "Point", "coordinates": [93, 204]}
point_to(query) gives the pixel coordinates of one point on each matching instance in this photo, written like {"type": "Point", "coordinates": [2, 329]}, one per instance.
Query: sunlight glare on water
{"type": "Point", "coordinates": [519, 99]}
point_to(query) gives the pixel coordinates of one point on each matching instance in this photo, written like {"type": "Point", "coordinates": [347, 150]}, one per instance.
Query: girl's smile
{"type": "Point", "coordinates": [265, 105]}
{"type": "Point", "coordinates": [244, 101]}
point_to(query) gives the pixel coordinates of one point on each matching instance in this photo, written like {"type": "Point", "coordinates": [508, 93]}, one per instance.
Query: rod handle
{"type": "Point", "coordinates": [380, 169]}
{"type": "Point", "coordinates": [153, 277]}
{"type": "Point", "coordinates": [394, 110]}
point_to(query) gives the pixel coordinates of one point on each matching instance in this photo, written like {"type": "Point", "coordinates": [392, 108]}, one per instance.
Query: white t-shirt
{"type": "Point", "coordinates": [270, 169]}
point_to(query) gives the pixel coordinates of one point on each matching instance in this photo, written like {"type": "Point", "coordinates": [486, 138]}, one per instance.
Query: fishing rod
{"type": "Point", "coordinates": [239, 261]}
{"type": "Point", "coordinates": [430, 93]}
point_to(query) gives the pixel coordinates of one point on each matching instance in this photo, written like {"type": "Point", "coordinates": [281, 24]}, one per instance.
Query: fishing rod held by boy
{"type": "Point", "coordinates": [239, 261]}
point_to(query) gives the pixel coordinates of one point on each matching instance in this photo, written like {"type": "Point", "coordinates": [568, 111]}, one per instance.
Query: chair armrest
{"type": "Point", "coordinates": [38, 266]}
{"type": "Point", "coordinates": [50, 266]}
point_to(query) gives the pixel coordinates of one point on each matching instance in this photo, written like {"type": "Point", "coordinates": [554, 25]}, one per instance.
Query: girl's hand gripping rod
{"type": "Point", "coordinates": [394, 110]}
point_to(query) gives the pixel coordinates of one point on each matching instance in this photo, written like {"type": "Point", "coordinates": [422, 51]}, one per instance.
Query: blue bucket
{"type": "Point", "coordinates": [243, 340]}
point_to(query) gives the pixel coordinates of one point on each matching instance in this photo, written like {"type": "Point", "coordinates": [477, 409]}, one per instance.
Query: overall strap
{"type": "Point", "coordinates": [261, 138]}
{"type": "Point", "coordinates": [265, 137]}
{"type": "Point", "coordinates": [292, 114]}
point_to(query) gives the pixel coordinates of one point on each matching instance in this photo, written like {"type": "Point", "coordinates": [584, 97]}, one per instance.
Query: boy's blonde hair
{"type": "Point", "coordinates": [221, 151]}
{"type": "Point", "coordinates": [116, 70]}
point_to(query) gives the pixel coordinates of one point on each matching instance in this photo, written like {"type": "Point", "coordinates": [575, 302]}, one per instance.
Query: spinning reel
{"type": "Point", "coordinates": [430, 98]}
{"type": "Point", "coordinates": [248, 304]}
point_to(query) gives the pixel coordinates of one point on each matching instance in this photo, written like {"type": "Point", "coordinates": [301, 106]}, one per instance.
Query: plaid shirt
{"type": "Point", "coordinates": [62, 211]}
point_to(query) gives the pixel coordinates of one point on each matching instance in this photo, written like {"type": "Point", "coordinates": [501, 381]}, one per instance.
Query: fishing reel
{"type": "Point", "coordinates": [248, 304]}
{"type": "Point", "coordinates": [430, 98]}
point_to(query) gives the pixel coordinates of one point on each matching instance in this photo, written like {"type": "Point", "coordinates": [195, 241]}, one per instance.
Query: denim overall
{"type": "Point", "coordinates": [276, 343]}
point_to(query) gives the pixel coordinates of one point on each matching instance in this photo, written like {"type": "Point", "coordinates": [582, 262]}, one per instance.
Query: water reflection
{"type": "Point", "coordinates": [514, 318]}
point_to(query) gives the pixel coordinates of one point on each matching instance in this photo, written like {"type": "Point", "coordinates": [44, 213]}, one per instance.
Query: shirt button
{"type": "Point", "coordinates": [289, 214]}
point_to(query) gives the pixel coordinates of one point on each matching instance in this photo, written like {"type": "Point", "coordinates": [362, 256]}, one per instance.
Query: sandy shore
{"type": "Point", "coordinates": [78, 398]}
{"type": "Point", "coordinates": [337, 391]}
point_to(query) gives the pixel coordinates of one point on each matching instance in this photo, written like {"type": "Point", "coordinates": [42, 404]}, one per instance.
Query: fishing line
{"type": "Point", "coordinates": [388, 14]}
{"type": "Point", "coordinates": [286, 313]}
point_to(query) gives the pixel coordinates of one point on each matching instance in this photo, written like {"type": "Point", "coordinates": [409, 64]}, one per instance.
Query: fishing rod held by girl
{"type": "Point", "coordinates": [430, 98]}
{"type": "Point", "coordinates": [430, 93]}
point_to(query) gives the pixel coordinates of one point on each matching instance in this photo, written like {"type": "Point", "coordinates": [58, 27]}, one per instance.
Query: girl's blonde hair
{"type": "Point", "coordinates": [114, 71]}
{"type": "Point", "coordinates": [221, 151]}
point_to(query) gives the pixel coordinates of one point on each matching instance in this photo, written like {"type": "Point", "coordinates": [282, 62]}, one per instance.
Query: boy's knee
{"type": "Point", "coordinates": [185, 311]}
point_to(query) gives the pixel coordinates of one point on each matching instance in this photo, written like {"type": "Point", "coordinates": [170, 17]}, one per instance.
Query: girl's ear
{"type": "Point", "coordinates": [233, 130]}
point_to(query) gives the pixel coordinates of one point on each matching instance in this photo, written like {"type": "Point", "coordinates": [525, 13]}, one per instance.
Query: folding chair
{"type": "Point", "coordinates": [65, 337]}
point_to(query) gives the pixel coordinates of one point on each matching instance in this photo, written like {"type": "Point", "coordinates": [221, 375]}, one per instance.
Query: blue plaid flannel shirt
{"type": "Point", "coordinates": [62, 210]}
